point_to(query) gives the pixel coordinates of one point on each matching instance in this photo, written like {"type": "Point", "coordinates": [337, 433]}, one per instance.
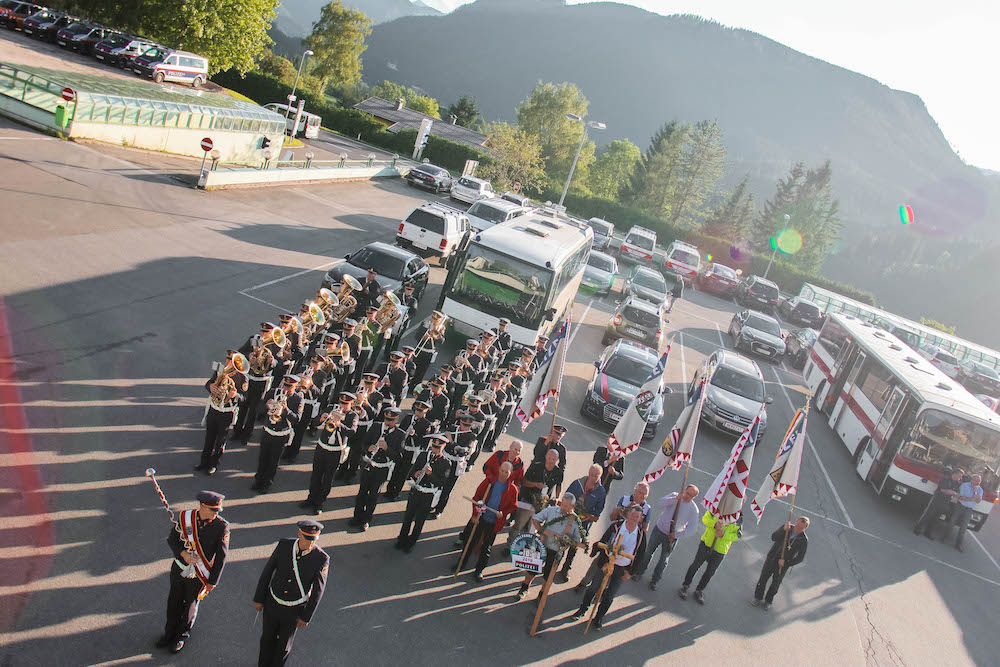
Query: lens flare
{"type": "Point", "coordinates": [740, 253]}
{"type": "Point", "coordinates": [790, 242]}
{"type": "Point", "coordinates": [906, 214]}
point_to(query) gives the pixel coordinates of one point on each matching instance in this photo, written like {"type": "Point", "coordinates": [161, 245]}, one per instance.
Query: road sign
{"type": "Point", "coordinates": [206, 144]}
{"type": "Point", "coordinates": [68, 94]}
{"type": "Point", "coordinates": [517, 186]}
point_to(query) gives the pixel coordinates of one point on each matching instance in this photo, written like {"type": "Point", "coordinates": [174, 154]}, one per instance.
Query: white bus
{"type": "Point", "coordinates": [901, 418]}
{"type": "Point", "coordinates": [309, 123]}
{"type": "Point", "coordinates": [527, 269]}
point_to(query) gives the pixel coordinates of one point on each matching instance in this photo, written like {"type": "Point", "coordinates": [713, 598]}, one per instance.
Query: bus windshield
{"type": "Point", "coordinates": [941, 439]}
{"type": "Point", "coordinates": [503, 286]}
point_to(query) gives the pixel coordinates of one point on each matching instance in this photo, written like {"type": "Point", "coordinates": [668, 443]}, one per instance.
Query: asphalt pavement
{"type": "Point", "coordinates": [122, 285]}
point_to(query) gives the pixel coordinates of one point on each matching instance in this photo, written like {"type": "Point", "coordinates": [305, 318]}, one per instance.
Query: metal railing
{"type": "Point", "coordinates": [30, 88]}
{"type": "Point", "coordinates": [308, 163]}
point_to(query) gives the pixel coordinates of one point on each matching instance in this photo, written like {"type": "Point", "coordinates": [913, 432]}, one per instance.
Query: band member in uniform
{"type": "Point", "coordinates": [225, 390]}
{"type": "Point", "coordinates": [368, 294]}
{"type": "Point", "coordinates": [503, 342]}
{"type": "Point", "coordinates": [396, 377]}
{"type": "Point", "coordinates": [428, 473]}
{"type": "Point", "coordinates": [612, 463]}
{"type": "Point", "coordinates": [368, 332]}
{"type": "Point", "coordinates": [310, 402]}
{"type": "Point", "coordinates": [409, 363]}
{"type": "Point", "coordinates": [406, 300]}
{"type": "Point", "coordinates": [417, 427]}
{"type": "Point", "coordinates": [426, 350]}
{"type": "Point", "coordinates": [260, 374]}
{"type": "Point", "coordinates": [277, 434]}
{"type": "Point", "coordinates": [288, 393]}
{"type": "Point", "coordinates": [440, 405]}
{"type": "Point", "coordinates": [466, 367]}
{"type": "Point", "coordinates": [496, 407]}
{"type": "Point", "coordinates": [485, 353]}
{"type": "Point", "coordinates": [368, 408]}
{"type": "Point", "coordinates": [540, 344]}
{"type": "Point", "coordinates": [321, 381]}
{"type": "Point", "coordinates": [493, 502]}
{"type": "Point", "coordinates": [382, 451]}
{"type": "Point", "coordinates": [331, 450]}
{"type": "Point", "coordinates": [296, 345]}
{"type": "Point", "coordinates": [198, 561]}
{"type": "Point", "coordinates": [289, 590]}
{"type": "Point", "coordinates": [457, 455]}
{"type": "Point", "coordinates": [350, 334]}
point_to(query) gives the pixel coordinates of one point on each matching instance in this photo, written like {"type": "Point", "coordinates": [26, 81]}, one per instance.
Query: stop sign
{"type": "Point", "coordinates": [206, 144]}
{"type": "Point", "coordinates": [68, 94]}
{"type": "Point", "coordinates": [517, 186]}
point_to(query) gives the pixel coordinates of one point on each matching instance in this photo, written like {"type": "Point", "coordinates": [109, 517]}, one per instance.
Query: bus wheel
{"type": "Point", "coordinates": [856, 458]}
{"type": "Point", "coordinates": [821, 400]}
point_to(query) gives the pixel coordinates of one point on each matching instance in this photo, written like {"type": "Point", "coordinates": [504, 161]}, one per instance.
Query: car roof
{"type": "Point", "coordinates": [601, 254]}
{"type": "Point", "coordinates": [764, 316]}
{"type": "Point", "coordinates": [645, 269]}
{"type": "Point", "coordinates": [642, 304]}
{"type": "Point", "coordinates": [765, 281]}
{"type": "Point", "coordinates": [188, 53]}
{"type": "Point", "coordinates": [633, 350]}
{"type": "Point", "coordinates": [392, 250]}
{"type": "Point", "coordinates": [642, 231]}
{"type": "Point", "coordinates": [431, 166]}
{"type": "Point", "coordinates": [476, 179]}
{"type": "Point", "coordinates": [499, 204]}
{"type": "Point", "coordinates": [738, 362]}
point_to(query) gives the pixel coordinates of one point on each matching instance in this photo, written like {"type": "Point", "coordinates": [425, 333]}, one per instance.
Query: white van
{"type": "Point", "coordinates": [486, 213]}
{"type": "Point", "coordinates": [638, 245]}
{"type": "Point", "coordinates": [684, 260]}
{"type": "Point", "coordinates": [309, 123]}
{"type": "Point", "coordinates": [182, 67]}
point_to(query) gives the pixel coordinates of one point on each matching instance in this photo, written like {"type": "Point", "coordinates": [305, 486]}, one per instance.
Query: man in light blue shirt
{"type": "Point", "coordinates": [969, 495]}
{"type": "Point", "coordinates": [678, 517]}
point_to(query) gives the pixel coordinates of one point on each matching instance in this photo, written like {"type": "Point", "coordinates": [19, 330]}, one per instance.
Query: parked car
{"type": "Point", "coordinates": [946, 362]}
{"type": "Point", "coordinates": [434, 229]}
{"type": "Point", "coordinates": [144, 64]}
{"type": "Point", "coordinates": [978, 378]}
{"type": "Point", "coordinates": [647, 284]}
{"type": "Point", "coordinates": [599, 274]}
{"type": "Point", "coordinates": [86, 42]}
{"type": "Point", "coordinates": [682, 259]}
{"type": "Point", "coordinates": [798, 343]}
{"type": "Point", "coordinates": [520, 200]}
{"type": "Point", "coordinates": [603, 232]}
{"type": "Point", "coordinates": [758, 333]}
{"type": "Point", "coordinates": [105, 51]}
{"type": "Point", "coordinates": [639, 321]}
{"type": "Point", "coordinates": [619, 373]}
{"type": "Point", "coordinates": [64, 37]}
{"type": "Point", "coordinates": [469, 189]}
{"type": "Point", "coordinates": [638, 245]}
{"type": "Point", "coordinates": [757, 293]}
{"type": "Point", "coordinates": [734, 395]}
{"type": "Point", "coordinates": [717, 279]}
{"type": "Point", "coordinates": [989, 401]}
{"type": "Point", "coordinates": [47, 31]}
{"type": "Point", "coordinates": [486, 213]}
{"type": "Point", "coordinates": [393, 266]}
{"type": "Point", "coordinates": [16, 15]}
{"type": "Point", "coordinates": [800, 312]}
{"type": "Point", "coordinates": [29, 26]}
{"type": "Point", "coordinates": [430, 177]}
{"type": "Point", "coordinates": [181, 67]}
{"type": "Point", "coordinates": [6, 7]}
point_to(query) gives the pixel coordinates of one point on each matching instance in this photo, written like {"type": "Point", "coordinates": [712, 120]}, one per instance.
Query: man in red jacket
{"type": "Point", "coordinates": [492, 504]}
{"type": "Point", "coordinates": [513, 454]}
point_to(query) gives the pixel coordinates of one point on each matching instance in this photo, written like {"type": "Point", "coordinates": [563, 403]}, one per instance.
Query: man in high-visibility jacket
{"type": "Point", "coordinates": [714, 546]}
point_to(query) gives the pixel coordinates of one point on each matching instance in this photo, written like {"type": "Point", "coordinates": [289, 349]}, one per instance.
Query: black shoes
{"type": "Point", "coordinates": [353, 522]}
{"type": "Point", "coordinates": [683, 592]}
{"type": "Point", "coordinates": [478, 576]}
{"type": "Point", "coordinates": [579, 614]}
{"type": "Point", "coordinates": [176, 648]}
{"type": "Point", "coordinates": [162, 642]}
{"type": "Point", "coordinates": [699, 597]}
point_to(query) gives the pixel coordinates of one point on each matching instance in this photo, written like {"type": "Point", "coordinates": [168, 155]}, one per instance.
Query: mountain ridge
{"type": "Point", "coordinates": [296, 17]}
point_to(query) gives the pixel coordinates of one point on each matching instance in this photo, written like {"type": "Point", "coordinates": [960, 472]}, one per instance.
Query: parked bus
{"type": "Point", "coordinates": [900, 417]}
{"type": "Point", "coordinates": [308, 123]}
{"type": "Point", "coordinates": [527, 269]}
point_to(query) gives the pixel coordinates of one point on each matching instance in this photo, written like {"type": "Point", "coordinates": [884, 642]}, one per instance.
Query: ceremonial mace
{"type": "Point", "coordinates": [189, 570]}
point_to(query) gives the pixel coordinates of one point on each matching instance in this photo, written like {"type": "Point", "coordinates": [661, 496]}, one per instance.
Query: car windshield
{"type": "Point", "coordinates": [117, 41]}
{"type": "Point", "coordinates": [807, 308]}
{"type": "Point", "coordinates": [638, 240]}
{"type": "Point", "coordinates": [738, 383]}
{"type": "Point", "coordinates": [601, 227]}
{"type": "Point", "coordinates": [77, 28]}
{"type": "Point", "coordinates": [684, 257]}
{"type": "Point", "coordinates": [601, 262]}
{"type": "Point", "coordinates": [153, 53]}
{"type": "Point", "coordinates": [650, 280]}
{"type": "Point", "coordinates": [759, 323]}
{"type": "Point", "coordinates": [941, 439]}
{"type": "Point", "coordinates": [502, 286]}
{"type": "Point", "coordinates": [765, 289]}
{"type": "Point", "coordinates": [807, 336]}
{"type": "Point", "coordinates": [945, 357]}
{"type": "Point", "coordinates": [985, 371]}
{"type": "Point", "coordinates": [628, 369]}
{"type": "Point", "coordinates": [469, 183]}
{"type": "Point", "coordinates": [486, 212]}
{"type": "Point", "coordinates": [384, 265]}
{"type": "Point", "coordinates": [724, 271]}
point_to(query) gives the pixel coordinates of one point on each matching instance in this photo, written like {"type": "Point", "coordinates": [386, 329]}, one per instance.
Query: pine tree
{"type": "Point", "coordinates": [701, 166]}
{"type": "Point", "coordinates": [732, 217]}
{"type": "Point", "coordinates": [770, 219]}
{"type": "Point", "coordinates": [654, 181]}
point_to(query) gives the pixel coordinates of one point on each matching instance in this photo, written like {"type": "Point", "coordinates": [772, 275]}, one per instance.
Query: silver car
{"type": "Point", "coordinates": [735, 392]}
{"type": "Point", "coordinates": [646, 284]}
{"type": "Point", "coordinates": [757, 333]}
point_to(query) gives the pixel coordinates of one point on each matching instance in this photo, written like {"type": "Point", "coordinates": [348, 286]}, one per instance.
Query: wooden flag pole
{"type": "Point", "coordinates": [544, 595]}
{"type": "Point", "coordinates": [472, 533]}
{"type": "Point", "coordinates": [562, 367]}
{"type": "Point", "coordinates": [613, 555]}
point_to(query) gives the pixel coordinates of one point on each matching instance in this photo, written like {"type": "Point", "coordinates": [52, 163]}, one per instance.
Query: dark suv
{"type": "Point", "coordinates": [758, 293]}
{"type": "Point", "coordinates": [638, 320]}
{"type": "Point", "coordinates": [800, 312]}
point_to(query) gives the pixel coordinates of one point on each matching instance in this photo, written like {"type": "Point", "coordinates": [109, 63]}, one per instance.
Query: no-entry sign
{"type": "Point", "coordinates": [68, 94]}
{"type": "Point", "coordinates": [517, 186]}
{"type": "Point", "coordinates": [206, 144]}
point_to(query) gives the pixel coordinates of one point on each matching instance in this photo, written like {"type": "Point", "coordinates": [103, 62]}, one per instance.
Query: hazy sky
{"type": "Point", "coordinates": [945, 52]}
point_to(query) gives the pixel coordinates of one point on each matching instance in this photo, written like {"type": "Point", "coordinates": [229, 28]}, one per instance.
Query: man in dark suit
{"type": "Point", "coordinates": [289, 590]}
{"type": "Point", "coordinates": [777, 563]}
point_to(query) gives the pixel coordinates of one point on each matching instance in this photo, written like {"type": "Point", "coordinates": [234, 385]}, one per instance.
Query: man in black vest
{"type": "Point", "coordinates": [382, 450]}
{"type": "Point", "coordinates": [777, 562]}
{"type": "Point", "coordinates": [209, 536]}
{"type": "Point", "coordinates": [289, 590]}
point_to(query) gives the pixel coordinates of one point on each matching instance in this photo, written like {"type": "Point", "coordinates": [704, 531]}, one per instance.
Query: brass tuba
{"type": "Point", "coordinates": [261, 361]}
{"type": "Point", "coordinates": [316, 315]}
{"type": "Point", "coordinates": [221, 389]}
{"type": "Point", "coordinates": [345, 302]}
{"type": "Point", "coordinates": [276, 335]}
{"type": "Point", "coordinates": [388, 312]}
{"type": "Point", "coordinates": [337, 353]}
{"type": "Point", "coordinates": [327, 300]}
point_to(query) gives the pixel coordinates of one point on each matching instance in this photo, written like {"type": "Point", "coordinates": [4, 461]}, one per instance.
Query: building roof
{"type": "Point", "coordinates": [536, 242]}
{"type": "Point", "coordinates": [408, 119]}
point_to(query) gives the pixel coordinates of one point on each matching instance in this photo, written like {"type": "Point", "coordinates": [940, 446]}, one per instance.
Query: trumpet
{"type": "Point", "coordinates": [275, 407]}
{"type": "Point", "coordinates": [436, 330]}
{"type": "Point", "coordinates": [337, 353]}
{"type": "Point", "coordinates": [331, 420]}
{"type": "Point", "coordinates": [276, 335]}
{"type": "Point", "coordinates": [388, 312]}
{"type": "Point", "coordinates": [345, 302]}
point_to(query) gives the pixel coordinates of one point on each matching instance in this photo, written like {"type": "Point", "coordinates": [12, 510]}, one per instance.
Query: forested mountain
{"type": "Point", "coordinates": [775, 106]}
{"type": "Point", "coordinates": [295, 17]}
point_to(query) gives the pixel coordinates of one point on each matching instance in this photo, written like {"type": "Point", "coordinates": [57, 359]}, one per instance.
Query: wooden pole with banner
{"type": "Point", "coordinates": [614, 553]}
{"type": "Point", "coordinates": [544, 595]}
{"type": "Point", "coordinates": [562, 368]}
{"type": "Point", "coordinates": [472, 533]}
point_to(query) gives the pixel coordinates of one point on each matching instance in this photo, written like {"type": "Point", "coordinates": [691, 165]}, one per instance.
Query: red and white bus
{"type": "Point", "coordinates": [901, 418]}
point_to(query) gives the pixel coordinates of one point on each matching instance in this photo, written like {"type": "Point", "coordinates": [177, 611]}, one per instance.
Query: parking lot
{"type": "Point", "coordinates": [122, 285]}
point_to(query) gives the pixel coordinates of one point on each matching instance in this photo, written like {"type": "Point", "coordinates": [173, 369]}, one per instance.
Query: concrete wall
{"type": "Point", "coordinates": [226, 178]}
{"type": "Point", "coordinates": [234, 146]}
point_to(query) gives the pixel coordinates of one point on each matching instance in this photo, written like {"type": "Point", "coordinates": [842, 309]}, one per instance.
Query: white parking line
{"type": "Point", "coordinates": [579, 323]}
{"type": "Point", "coordinates": [274, 305]}
{"type": "Point", "coordinates": [684, 377]}
{"type": "Point", "coordinates": [829, 481]}
{"type": "Point", "coordinates": [293, 275]}
{"type": "Point", "coordinates": [722, 341]}
{"type": "Point", "coordinates": [988, 554]}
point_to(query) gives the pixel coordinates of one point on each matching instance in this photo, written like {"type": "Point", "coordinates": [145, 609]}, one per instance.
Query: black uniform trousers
{"type": "Point", "coordinates": [267, 460]}
{"type": "Point", "coordinates": [398, 479]}
{"type": "Point", "coordinates": [278, 633]}
{"type": "Point", "coordinates": [372, 480]}
{"type": "Point", "coordinates": [298, 433]}
{"type": "Point", "coordinates": [499, 426]}
{"type": "Point", "coordinates": [446, 489]}
{"type": "Point", "coordinates": [349, 468]}
{"type": "Point", "coordinates": [614, 583]}
{"type": "Point", "coordinates": [182, 605]}
{"type": "Point", "coordinates": [483, 536]}
{"type": "Point", "coordinates": [247, 418]}
{"type": "Point", "coordinates": [325, 465]}
{"type": "Point", "coordinates": [769, 571]}
{"type": "Point", "coordinates": [418, 506]}
{"type": "Point", "coordinates": [422, 360]}
{"type": "Point", "coordinates": [705, 554]}
{"type": "Point", "coordinates": [929, 520]}
{"type": "Point", "coordinates": [216, 425]}
{"type": "Point", "coordinates": [360, 366]}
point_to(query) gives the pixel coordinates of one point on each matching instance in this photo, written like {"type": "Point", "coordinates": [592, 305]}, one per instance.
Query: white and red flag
{"type": "Point", "coordinates": [628, 431]}
{"type": "Point", "coordinates": [679, 443]}
{"type": "Point", "coordinates": [547, 381]}
{"type": "Point", "coordinates": [725, 497]}
{"type": "Point", "coordinates": [784, 476]}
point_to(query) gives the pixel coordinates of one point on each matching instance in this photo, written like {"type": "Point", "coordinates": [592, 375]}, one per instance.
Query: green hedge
{"type": "Point", "coordinates": [351, 122]}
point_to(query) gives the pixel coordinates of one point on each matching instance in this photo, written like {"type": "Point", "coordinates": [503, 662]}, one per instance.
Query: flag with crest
{"type": "Point", "coordinates": [679, 443]}
{"type": "Point", "coordinates": [628, 431]}
{"type": "Point", "coordinates": [725, 497]}
{"type": "Point", "coordinates": [547, 380]}
{"type": "Point", "coordinates": [784, 476]}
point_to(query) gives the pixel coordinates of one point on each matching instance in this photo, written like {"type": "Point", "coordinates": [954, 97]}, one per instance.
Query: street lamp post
{"type": "Point", "coordinates": [291, 98]}
{"type": "Point", "coordinates": [593, 124]}
{"type": "Point", "coordinates": [774, 251]}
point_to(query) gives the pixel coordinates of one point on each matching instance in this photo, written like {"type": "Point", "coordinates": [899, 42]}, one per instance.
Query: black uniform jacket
{"type": "Point", "coordinates": [795, 551]}
{"type": "Point", "coordinates": [278, 577]}
{"type": "Point", "coordinates": [214, 539]}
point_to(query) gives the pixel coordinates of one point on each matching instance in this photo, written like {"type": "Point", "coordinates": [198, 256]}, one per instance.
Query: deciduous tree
{"type": "Point", "coordinates": [543, 115]}
{"type": "Point", "coordinates": [614, 168]}
{"type": "Point", "coordinates": [516, 157]}
{"type": "Point", "coordinates": [337, 42]}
